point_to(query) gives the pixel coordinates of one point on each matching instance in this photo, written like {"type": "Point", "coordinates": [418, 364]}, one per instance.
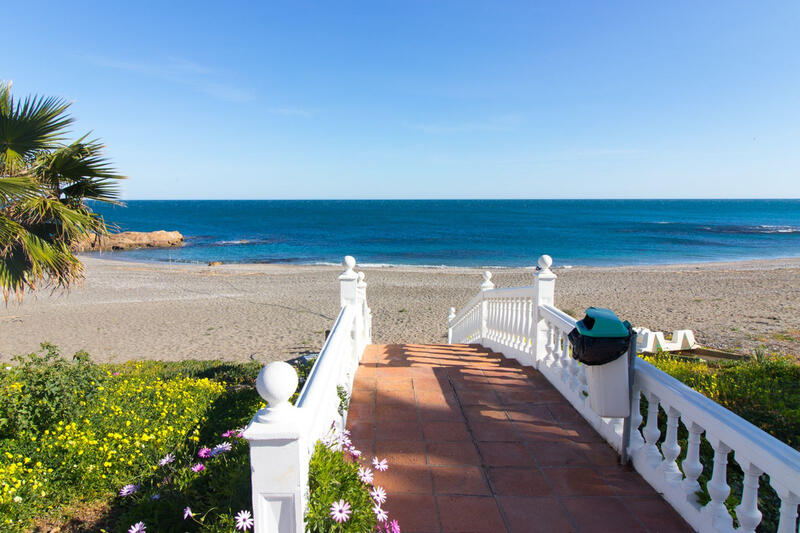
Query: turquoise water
{"type": "Point", "coordinates": [466, 232]}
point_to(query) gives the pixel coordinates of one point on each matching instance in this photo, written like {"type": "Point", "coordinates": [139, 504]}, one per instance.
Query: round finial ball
{"type": "Point", "coordinates": [487, 275]}
{"type": "Point", "coordinates": [349, 262]}
{"type": "Point", "coordinates": [452, 310]}
{"type": "Point", "coordinates": [277, 382]}
{"type": "Point", "coordinates": [360, 276]}
{"type": "Point", "coordinates": [545, 261]}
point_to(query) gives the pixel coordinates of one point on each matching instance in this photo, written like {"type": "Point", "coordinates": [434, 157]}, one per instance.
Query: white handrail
{"type": "Point", "coordinates": [282, 436]}
{"type": "Point", "coordinates": [523, 323]}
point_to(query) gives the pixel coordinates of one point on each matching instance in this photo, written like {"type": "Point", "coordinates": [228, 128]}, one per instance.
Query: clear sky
{"type": "Point", "coordinates": [425, 99]}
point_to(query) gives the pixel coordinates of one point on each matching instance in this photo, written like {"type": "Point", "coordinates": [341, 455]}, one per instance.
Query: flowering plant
{"type": "Point", "coordinates": [342, 497]}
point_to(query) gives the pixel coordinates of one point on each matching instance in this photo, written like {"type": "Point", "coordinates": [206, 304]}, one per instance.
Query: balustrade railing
{"type": "Point", "coordinates": [523, 323]}
{"type": "Point", "coordinates": [282, 436]}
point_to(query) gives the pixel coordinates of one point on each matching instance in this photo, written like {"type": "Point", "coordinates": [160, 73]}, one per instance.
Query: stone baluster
{"type": "Point", "coordinates": [486, 285]}
{"type": "Point", "coordinates": [692, 467]}
{"type": "Point", "coordinates": [549, 345]}
{"type": "Point", "coordinates": [718, 487]}
{"type": "Point", "coordinates": [788, 512]}
{"type": "Point", "coordinates": [278, 453]}
{"type": "Point", "coordinates": [670, 447]}
{"type": "Point", "coordinates": [450, 317]}
{"type": "Point", "coordinates": [747, 511]}
{"type": "Point", "coordinates": [651, 432]}
{"type": "Point", "coordinates": [636, 441]}
{"type": "Point", "coordinates": [543, 294]}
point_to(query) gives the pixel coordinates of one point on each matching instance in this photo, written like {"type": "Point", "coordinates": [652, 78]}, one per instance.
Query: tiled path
{"type": "Point", "coordinates": [476, 442]}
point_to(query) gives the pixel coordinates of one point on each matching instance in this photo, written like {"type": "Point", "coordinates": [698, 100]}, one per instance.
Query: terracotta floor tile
{"type": "Point", "coordinates": [558, 453]}
{"type": "Point", "coordinates": [416, 513]}
{"type": "Point", "coordinates": [601, 515]}
{"type": "Point", "coordinates": [534, 413]}
{"type": "Point", "coordinates": [405, 478]}
{"type": "Point", "coordinates": [396, 412]}
{"type": "Point", "coordinates": [505, 454]}
{"type": "Point", "coordinates": [479, 413]}
{"type": "Point", "coordinates": [626, 482]}
{"type": "Point", "coordinates": [453, 453]}
{"type": "Point", "coordinates": [535, 515]}
{"type": "Point", "coordinates": [494, 431]}
{"type": "Point", "coordinates": [401, 452]}
{"type": "Point", "coordinates": [360, 429]}
{"type": "Point", "coordinates": [439, 412]}
{"type": "Point", "coordinates": [469, 514]}
{"type": "Point", "coordinates": [469, 480]}
{"type": "Point", "coordinates": [657, 515]}
{"type": "Point", "coordinates": [445, 430]}
{"type": "Point", "coordinates": [398, 430]}
{"type": "Point", "coordinates": [578, 481]}
{"type": "Point", "coordinates": [518, 481]}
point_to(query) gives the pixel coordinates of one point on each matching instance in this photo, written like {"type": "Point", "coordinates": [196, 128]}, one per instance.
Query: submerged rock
{"type": "Point", "coordinates": [129, 240]}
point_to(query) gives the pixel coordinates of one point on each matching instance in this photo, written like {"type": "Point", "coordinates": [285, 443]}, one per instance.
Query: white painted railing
{"type": "Point", "coordinates": [523, 323]}
{"type": "Point", "coordinates": [282, 436]}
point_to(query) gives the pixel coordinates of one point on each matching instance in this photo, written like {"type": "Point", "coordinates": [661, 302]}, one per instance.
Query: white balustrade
{"type": "Point", "coordinates": [282, 436]}
{"type": "Point", "coordinates": [523, 323]}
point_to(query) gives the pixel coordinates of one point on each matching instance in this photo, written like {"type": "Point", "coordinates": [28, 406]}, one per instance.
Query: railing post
{"type": "Point", "coordinates": [485, 286]}
{"type": "Point", "coordinates": [278, 454]}
{"type": "Point", "coordinates": [364, 309]}
{"type": "Point", "coordinates": [450, 319]}
{"type": "Point", "coordinates": [543, 294]}
{"type": "Point", "coordinates": [348, 295]}
{"type": "Point", "coordinates": [348, 282]}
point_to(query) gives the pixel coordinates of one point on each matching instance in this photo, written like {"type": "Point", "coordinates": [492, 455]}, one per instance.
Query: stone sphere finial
{"type": "Point", "coordinates": [487, 281]}
{"type": "Point", "coordinates": [276, 383]}
{"type": "Point", "coordinates": [545, 261]}
{"type": "Point", "coordinates": [361, 276]}
{"type": "Point", "coordinates": [349, 262]}
{"type": "Point", "coordinates": [452, 314]}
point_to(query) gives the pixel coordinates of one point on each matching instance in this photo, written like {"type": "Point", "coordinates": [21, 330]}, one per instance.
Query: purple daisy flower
{"type": "Point", "coordinates": [380, 466]}
{"type": "Point", "coordinates": [380, 514]}
{"type": "Point", "coordinates": [127, 490]}
{"type": "Point", "coordinates": [340, 511]}
{"type": "Point", "coordinates": [138, 527]}
{"type": "Point", "coordinates": [244, 520]}
{"type": "Point", "coordinates": [187, 513]}
{"type": "Point", "coordinates": [221, 448]}
{"type": "Point", "coordinates": [204, 452]}
{"type": "Point", "coordinates": [167, 459]}
{"type": "Point", "coordinates": [395, 526]}
{"type": "Point", "coordinates": [199, 467]}
{"type": "Point", "coordinates": [365, 474]}
{"type": "Point", "coordinates": [378, 494]}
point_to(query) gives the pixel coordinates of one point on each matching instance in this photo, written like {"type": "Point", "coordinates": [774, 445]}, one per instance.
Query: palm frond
{"type": "Point", "coordinates": [78, 171]}
{"type": "Point", "coordinates": [28, 126]}
{"type": "Point", "coordinates": [17, 188]}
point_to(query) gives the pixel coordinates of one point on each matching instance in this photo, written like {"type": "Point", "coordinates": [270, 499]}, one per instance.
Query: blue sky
{"type": "Point", "coordinates": [426, 99]}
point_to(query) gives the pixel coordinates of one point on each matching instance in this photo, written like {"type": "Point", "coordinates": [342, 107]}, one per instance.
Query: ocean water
{"type": "Point", "coordinates": [465, 232]}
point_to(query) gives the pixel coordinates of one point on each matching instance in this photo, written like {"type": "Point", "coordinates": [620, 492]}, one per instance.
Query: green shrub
{"type": "Point", "coordinates": [44, 388]}
{"type": "Point", "coordinates": [333, 477]}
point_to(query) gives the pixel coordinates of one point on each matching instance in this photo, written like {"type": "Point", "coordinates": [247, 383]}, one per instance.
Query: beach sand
{"type": "Point", "coordinates": [126, 310]}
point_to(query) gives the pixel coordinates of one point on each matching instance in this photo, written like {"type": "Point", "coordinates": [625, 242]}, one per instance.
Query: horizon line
{"type": "Point", "coordinates": [378, 199]}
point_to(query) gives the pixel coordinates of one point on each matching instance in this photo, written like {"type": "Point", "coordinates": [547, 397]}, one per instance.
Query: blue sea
{"type": "Point", "coordinates": [465, 232]}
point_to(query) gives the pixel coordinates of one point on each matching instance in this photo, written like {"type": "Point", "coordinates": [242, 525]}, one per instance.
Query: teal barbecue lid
{"type": "Point", "coordinates": [601, 322]}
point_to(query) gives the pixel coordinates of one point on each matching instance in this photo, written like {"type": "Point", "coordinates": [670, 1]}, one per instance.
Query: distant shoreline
{"type": "Point", "coordinates": [745, 264]}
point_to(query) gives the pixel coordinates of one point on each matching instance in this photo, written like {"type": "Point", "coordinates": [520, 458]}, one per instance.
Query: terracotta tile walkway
{"type": "Point", "coordinates": [477, 443]}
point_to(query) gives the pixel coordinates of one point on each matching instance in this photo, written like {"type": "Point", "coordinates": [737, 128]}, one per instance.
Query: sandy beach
{"type": "Point", "coordinates": [126, 311]}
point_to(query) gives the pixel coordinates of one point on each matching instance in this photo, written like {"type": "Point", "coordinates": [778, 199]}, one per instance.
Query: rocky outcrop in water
{"type": "Point", "coordinates": [129, 240]}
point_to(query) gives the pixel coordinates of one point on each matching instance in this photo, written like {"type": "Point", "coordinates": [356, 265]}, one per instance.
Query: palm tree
{"type": "Point", "coordinates": [44, 185]}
